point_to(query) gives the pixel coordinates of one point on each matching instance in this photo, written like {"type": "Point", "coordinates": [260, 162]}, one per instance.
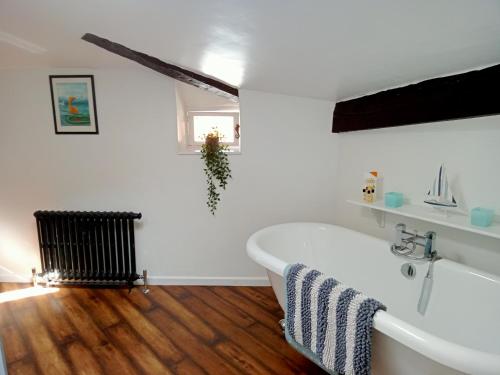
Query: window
{"type": "Point", "coordinates": [199, 124]}
{"type": "Point", "coordinates": [198, 113]}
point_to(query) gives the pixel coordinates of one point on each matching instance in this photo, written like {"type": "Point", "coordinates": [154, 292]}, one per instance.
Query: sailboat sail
{"type": "Point", "coordinates": [440, 193]}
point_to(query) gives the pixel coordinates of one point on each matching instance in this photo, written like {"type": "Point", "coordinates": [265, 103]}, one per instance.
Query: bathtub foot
{"type": "Point", "coordinates": [282, 325]}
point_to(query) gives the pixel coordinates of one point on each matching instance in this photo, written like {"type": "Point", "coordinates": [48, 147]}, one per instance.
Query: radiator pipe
{"type": "Point", "coordinates": [34, 277]}
{"type": "Point", "coordinates": [145, 277]}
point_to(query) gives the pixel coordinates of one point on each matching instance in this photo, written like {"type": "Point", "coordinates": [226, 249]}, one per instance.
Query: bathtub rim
{"type": "Point", "coordinates": [456, 356]}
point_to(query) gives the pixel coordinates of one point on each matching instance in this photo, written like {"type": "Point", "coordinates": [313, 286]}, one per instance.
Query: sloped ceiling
{"type": "Point", "coordinates": [327, 49]}
{"type": "Point", "coordinates": [194, 99]}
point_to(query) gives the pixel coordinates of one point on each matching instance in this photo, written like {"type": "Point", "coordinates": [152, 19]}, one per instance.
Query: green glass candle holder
{"type": "Point", "coordinates": [393, 199]}
{"type": "Point", "coordinates": [481, 217]}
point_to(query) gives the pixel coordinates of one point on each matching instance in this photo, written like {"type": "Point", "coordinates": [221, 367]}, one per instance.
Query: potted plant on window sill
{"type": "Point", "coordinates": [217, 171]}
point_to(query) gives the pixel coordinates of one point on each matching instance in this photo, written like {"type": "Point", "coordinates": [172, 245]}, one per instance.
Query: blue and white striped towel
{"type": "Point", "coordinates": [329, 322]}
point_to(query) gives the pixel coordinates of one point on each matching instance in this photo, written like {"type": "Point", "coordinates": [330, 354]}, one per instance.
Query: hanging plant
{"type": "Point", "coordinates": [216, 167]}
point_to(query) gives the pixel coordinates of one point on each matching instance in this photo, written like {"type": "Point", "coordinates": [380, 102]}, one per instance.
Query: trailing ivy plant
{"type": "Point", "coordinates": [216, 169]}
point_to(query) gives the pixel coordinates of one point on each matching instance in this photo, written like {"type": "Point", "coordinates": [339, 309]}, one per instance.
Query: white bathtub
{"type": "Point", "coordinates": [460, 332]}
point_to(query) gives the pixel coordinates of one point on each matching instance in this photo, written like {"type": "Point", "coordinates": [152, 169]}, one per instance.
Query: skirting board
{"type": "Point", "coordinates": [195, 280]}
{"type": "Point", "coordinates": [172, 280]}
{"type": "Point", "coordinates": [13, 278]}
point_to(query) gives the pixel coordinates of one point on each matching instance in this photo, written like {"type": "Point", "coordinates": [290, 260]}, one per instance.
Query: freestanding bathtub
{"type": "Point", "coordinates": [460, 331]}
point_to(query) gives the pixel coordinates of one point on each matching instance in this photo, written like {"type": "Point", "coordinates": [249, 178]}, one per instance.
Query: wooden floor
{"type": "Point", "coordinates": [173, 330]}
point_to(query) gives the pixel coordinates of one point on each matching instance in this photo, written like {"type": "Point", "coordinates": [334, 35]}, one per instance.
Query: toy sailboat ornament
{"type": "Point", "coordinates": [440, 195]}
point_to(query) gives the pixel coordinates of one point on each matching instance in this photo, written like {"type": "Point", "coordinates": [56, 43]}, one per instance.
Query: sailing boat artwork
{"type": "Point", "coordinates": [440, 195]}
{"type": "Point", "coordinates": [73, 104]}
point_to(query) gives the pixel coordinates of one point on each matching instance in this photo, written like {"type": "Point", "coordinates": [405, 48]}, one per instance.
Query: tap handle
{"type": "Point", "coordinates": [430, 237]}
{"type": "Point", "coordinates": [400, 229]}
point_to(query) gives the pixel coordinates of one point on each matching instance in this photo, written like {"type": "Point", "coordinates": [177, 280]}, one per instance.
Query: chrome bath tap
{"type": "Point", "coordinates": [406, 244]}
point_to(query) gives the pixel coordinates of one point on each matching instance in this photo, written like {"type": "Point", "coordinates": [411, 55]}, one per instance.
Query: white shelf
{"type": "Point", "coordinates": [453, 220]}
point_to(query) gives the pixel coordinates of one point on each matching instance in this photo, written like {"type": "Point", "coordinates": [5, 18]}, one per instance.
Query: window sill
{"type": "Point", "coordinates": [197, 152]}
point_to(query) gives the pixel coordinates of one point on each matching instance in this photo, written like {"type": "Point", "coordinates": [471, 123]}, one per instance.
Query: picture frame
{"type": "Point", "coordinates": [73, 104]}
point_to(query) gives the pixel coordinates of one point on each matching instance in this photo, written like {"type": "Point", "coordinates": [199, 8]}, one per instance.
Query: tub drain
{"type": "Point", "coordinates": [408, 270]}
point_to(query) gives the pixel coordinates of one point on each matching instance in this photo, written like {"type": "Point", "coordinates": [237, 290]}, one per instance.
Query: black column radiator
{"type": "Point", "coordinates": [91, 248]}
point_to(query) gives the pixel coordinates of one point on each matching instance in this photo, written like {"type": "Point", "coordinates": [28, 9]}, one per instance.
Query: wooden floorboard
{"type": "Point", "coordinates": [186, 330]}
{"type": "Point", "coordinates": [253, 345]}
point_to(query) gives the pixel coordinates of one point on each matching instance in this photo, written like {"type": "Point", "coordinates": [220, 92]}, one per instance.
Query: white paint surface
{"type": "Point", "coordinates": [408, 158]}
{"type": "Point", "coordinates": [285, 173]}
{"type": "Point", "coordinates": [288, 167]}
{"type": "Point", "coordinates": [195, 99]}
{"type": "Point", "coordinates": [326, 49]}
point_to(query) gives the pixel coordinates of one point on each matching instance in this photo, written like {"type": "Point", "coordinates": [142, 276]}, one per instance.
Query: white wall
{"type": "Point", "coordinates": [409, 157]}
{"type": "Point", "coordinates": [285, 173]}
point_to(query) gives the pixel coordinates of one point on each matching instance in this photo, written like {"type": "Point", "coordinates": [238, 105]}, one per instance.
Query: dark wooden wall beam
{"type": "Point", "coordinates": [470, 94]}
{"type": "Point", "coordinates": [181, 74]}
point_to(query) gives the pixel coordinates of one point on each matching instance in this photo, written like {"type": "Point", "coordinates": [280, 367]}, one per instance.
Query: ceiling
{"type": "Point", "coordinates": [195, 99]}
{"type": "Point", "coordinates": [327, 49]}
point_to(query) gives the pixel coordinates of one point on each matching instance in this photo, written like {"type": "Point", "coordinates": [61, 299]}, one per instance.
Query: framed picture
{"type": "Point", "coordinates": [73, 104]}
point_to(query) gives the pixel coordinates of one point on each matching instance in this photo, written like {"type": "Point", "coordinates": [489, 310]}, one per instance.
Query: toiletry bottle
{"type": "Point", "coordinates": [370, 187]}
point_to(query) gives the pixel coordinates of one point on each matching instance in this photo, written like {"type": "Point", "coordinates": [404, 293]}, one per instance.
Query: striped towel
{"type": "Point", "coordinates": [329, 322]}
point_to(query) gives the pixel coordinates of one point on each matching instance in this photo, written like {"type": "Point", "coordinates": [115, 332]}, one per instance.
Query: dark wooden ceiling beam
{"type": "Point", "coordinates": [186, 76]}
{"type": "Point", "coordinates": [465, 95]}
